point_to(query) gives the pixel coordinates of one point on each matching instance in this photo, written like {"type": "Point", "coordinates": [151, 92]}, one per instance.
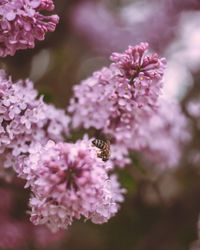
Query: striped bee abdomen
{"type": "Point", "coordinates": [99, 143]}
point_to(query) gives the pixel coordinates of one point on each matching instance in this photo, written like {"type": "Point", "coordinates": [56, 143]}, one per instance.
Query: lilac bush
{"type": "Point", "coordinates": [124, 105]}
{"type": "Point", "coordinates": [69, 181]}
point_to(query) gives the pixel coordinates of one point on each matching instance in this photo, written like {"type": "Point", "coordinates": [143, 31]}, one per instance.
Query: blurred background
{"type": "Point", "coordinates": [161, 208]}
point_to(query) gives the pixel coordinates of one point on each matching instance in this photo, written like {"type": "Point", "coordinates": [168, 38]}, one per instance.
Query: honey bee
{"type": "Point", "coordinates": [104, 147]}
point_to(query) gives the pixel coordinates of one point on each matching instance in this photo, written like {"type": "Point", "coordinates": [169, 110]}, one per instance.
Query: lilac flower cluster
{"type": "Point", "coordinates": [124, 94]}
{"type": "Point", "coordinates": [25, 120]}
{"type": "Point", "coordinates": [160, 138]}
{"type": "Point", "coordinates": [130, 111]}
{"type": "Point", "coordinates": [69, 181]}
{"type": "Point", "coordinates": [21, 23]}
{"type": "Point", "coordinates": [130, 85]}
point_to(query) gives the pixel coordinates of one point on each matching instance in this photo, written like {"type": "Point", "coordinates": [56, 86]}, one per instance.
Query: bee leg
{"type": "Point", "coordinates": [104, 158]}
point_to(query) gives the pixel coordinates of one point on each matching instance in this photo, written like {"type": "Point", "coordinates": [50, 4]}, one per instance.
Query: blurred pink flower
{"type": "Point", "coordinates": [22, 23]}
{"type": "Point", "coordinates": [69, 181]}
{"type": "Point", "coordinates": [98, 25]}
{"type": "Point", "coordinates": [119, 155]}
{"type": "Point", "coordinates": [17, 233]}
{"type": "Point", "coordinates": [193, 108]}
{"type": "Point", "coordinates": [165, 135]}
{"type": "Point", "coordinates": [13, 234]}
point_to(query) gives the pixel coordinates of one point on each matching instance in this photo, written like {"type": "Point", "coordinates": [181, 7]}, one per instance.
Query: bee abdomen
{"type": "Point", "coordinates": [99, 143]}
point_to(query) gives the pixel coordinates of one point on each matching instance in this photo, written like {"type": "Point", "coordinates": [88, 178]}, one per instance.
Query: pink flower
{"type": "Point", "coordinates": [21, 23]}
{"type": "Point", "coordinates": [115, 98]}
{"type": "Point", "coordinates": [69, 181]}
{"type": "Point", "coordinates": [122, 102]}
{"type": "Point", "coordinates": [96, 24]}
{"type": "Point", "coordinates": [159, 138]}
{"type": "Point", "coordinates": [25, 120]}
{"type": "Point", "coordinates": [193, 108]}
{"type": "Point", "coordinates": [119, 155]}
{"type": "Point", "coordinates": [135, 64]}
{"type": "Point", "coordinates": [165, 135]}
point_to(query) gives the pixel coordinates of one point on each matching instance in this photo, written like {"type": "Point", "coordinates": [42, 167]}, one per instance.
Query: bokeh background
{"type": "Point", "coordinates": [161, 208]}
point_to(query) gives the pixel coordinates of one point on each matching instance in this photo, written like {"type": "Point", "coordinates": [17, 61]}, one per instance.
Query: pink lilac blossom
{"type": "Point", "coordinates": [130, 110]}
{"type": "Point", "coordinates": [21, 23]}
{"type": "Point", "coordinates": [95, 25]}
{"type": "Point", "coordinates": [119, 155]}
{"type": "Point", "coordinates": [25, 120]}
{"type": "Point", "coordinates": [123, 93]}
{"type": "Point", "coordinates": [165, 135]}
{"type": "Point", "coordinates": [68, 182]}
{"type": "Point", "coordinates": [160, 137]}
{"type": "Point", "coordinates": [193, 108]}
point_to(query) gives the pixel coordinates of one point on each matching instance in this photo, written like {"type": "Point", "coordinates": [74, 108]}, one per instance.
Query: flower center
{"type": "Point", "coordinates": [71, 175]}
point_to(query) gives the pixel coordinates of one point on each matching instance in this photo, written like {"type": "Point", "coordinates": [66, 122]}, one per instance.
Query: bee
{"type": "Point", "coordinates": [104, 147]}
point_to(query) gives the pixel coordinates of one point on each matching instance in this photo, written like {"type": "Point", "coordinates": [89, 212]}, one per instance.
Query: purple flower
{"type": "Point", "coordinates": [122, 102]}
{"type": "Point", "coordinates": [134, 63]}
{"type": "Point", "coordinates": [21, 23]}
{"type": "Point", "coordinates": [165, 134]}
{"type": "Point", "coordinates": [119, 155]}
{"type": "Point", "coordinates": [159, 138]}
{"type": "Point", "coordinates": [134, 21]}
{"type": "Point", "coordinates": [115, 98]}
{"type": "Point", "coordinates": [25, 120]}
{"type": "Point", "coordinates": [193, 108]}
{"type": "Point", "coordinates": [69, 181]}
